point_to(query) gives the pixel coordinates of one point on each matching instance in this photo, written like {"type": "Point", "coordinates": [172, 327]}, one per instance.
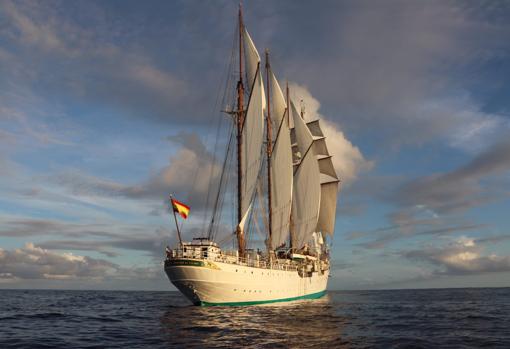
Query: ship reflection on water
{"type": "Point", "coordinates": [303, 324]}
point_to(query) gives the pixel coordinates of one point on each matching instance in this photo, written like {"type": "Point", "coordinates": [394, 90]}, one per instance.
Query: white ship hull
{"type": "Point", "coordinates": [206, 282]}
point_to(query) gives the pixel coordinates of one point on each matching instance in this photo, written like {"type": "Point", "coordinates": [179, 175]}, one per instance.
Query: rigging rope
{"type": "Point", "coordinates": [217, 200]}
{"type": "Point", "coordinates": [210, 187]}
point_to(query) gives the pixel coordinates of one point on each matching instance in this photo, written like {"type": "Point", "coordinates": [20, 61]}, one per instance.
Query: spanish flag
{"type": "Point", "coordinates": [180, 208]}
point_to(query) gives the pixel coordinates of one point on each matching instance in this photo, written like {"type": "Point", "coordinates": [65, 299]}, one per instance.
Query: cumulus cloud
{"type": "Point", "coordinates": [347, 158]}
{"type": "Point", "coordinates": [153, 244]}
{"type": "Point", "coordinates": [33, 262]}
{"type": "Point", "coordinates": [103, 238]}
{"type": "Point", "coordinates": [462, 256]}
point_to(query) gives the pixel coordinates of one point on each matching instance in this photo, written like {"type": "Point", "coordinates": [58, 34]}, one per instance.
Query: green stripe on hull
{"type": "Point", "coordinates": [307, 296]}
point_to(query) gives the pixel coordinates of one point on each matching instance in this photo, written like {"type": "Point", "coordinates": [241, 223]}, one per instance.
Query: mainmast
{"type": "Point", "coordinates": [240, 121]}
{"type": "Point", "coordinates": [269, 151]}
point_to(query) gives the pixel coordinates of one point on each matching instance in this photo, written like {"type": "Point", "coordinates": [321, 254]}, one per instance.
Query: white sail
{"type": "Point", "coordinates": [252, 138]}
{"type": "Point", "coordinates": [326, 221]}
{"type": "Point", "coordinates": [326, 166]}
{"type": "Point", "coordinates": [307, 189]}
{"type": "Point", "coordinates": [252, 58]}
{"type": "Point", "coordinates": [278, 107]}
{"type": "Point", "coordinates": [329, 183]}
{"type": "Point", "coordinates": [281, 168]}
{"type": "Point", "coordinates": [303, 136]}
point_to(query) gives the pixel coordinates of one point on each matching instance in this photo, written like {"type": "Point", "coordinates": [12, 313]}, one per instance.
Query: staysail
{"type": "Point", "coordinates": [281, 167]}
{"type": "Point", "coordinates": [253, 129]}
{"type": "Point", "coordinates": [307, 189]}
{"type": "Point", "coordinates": [252, 58]}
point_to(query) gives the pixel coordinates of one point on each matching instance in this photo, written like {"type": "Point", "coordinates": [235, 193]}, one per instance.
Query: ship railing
{"type": "Point", "coordinates": [261, 262]}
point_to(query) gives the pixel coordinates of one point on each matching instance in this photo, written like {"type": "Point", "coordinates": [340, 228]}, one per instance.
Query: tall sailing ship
{"type": "Point", "coordinates": [285, 170]}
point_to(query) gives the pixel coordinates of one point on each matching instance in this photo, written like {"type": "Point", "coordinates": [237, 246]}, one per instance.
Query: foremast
{"type": "Point", "coordinates": [241, 243]}
{"type": "Point", "coordinates": [269, 148]}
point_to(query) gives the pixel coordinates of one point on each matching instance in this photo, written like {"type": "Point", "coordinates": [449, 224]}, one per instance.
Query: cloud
{"type": "Point", "coordinates": [386, 81]}
{"type": "Point", "coordinates": [22, 267]}
{"type": "Point", "coordinates": [7, 167]}
{"type": "Point", "coordinates": [103, 238]}
{"type": "Point", "coordinates": [191, 172]}
{"type": "Point", "coordinates": [431, 204]}
{"type": "Point", "coordinates": [153, 243]}
{"type": "Point", "coordinates": [347, 158]}
{"type": "Point", "coordinates": [493, 239]}
{"type": "Point", "coordinates": [7, 137]}
{"type": "Point", "coordinates": [32, 126]}
{"type": "Point", "coordinates": [30, 32]}
{"type": "Point", "coordinates": [384, 236]}
{"type": "Point", "coordinates": [463, 256]}
{"type": "Point", "coordinates": [25, 227]}
{"type": "Point", "coordinates": [402, 73]}
{"type": "Point", "coordinates": [81, 64]}
{"type": "Point", "coordinates": [462, 188]}
{"type": "Point", "coordinates": [32, 262]}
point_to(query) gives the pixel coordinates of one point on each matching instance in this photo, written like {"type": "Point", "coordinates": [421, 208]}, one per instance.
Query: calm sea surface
{"type": "Point", "coordinates": [442, 318]}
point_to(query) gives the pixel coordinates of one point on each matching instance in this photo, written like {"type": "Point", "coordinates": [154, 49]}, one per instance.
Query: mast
{"type": "Point", "coordinates": [291, 225]}
{"type": "Point", "coordinates": [269, 151]}
{"type": "Point", "coordinates": [240, 121]}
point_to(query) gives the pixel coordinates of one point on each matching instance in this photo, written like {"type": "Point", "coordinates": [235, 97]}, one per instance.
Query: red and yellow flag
{"type": "Point", "coordinates": [180, 208]}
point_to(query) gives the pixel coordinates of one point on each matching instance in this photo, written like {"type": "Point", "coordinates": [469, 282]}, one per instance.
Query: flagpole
{"type": "Point", "coordinates": [176, 224]}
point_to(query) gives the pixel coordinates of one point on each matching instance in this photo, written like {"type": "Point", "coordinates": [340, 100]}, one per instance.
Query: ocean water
{"type": "Point", "coordinates": [440, 318]}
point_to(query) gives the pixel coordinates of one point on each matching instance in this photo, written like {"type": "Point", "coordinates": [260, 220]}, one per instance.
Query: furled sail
{"type": "Point", "coordinates": [281, 167]}
{"type": "Point", "coordinates": [253, 129]}
{"type": "Point", "coordinates": [307, 189]}
{"type": "Point", "coordinates": [329, 182]}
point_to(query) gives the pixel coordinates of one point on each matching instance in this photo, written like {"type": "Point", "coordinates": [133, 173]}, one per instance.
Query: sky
{"type": "Point", "coordinates": [107, 107]}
